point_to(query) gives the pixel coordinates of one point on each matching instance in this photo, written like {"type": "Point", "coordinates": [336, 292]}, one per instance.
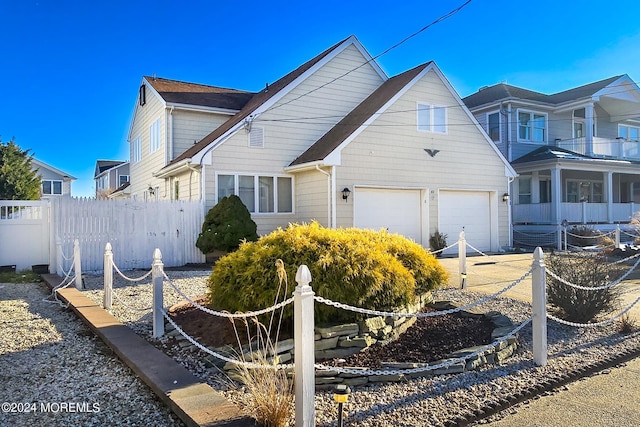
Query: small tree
{"type": "Point", "coordinates": [226, 225]}
{"type": "Point", "coordinates": [17, 179]}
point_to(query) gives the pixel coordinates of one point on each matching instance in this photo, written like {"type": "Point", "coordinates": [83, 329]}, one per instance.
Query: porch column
{"type": "Point", "coordinates": [588, 109]}
{"type": "Point", "coordinates": [535, 187]}
{"type": "Point", "coordinates": [556, 196]}
{"type": "Point", "coordinates": [608, 194]}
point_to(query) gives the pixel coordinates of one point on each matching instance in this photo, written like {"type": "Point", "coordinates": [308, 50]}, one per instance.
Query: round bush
{"type": "Point", "coordinates": [364, 268]}
{"type": "Point", "coordinates": [226, 225]}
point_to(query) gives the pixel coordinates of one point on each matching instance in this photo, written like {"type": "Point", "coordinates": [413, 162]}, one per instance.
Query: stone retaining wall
{"type": "Point", "coordinates": [341, 341]}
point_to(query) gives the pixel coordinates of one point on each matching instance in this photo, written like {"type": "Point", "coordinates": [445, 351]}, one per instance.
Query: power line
{"type": "Point", "coordinates": [440, 19]}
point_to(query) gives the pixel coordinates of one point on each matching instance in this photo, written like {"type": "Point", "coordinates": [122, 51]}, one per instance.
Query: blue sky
{"type": "Point", "coordinates": [71, 69]}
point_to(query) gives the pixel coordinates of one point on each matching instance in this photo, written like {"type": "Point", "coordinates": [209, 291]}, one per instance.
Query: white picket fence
{"type": "Point", "coordinates": [133, 228]}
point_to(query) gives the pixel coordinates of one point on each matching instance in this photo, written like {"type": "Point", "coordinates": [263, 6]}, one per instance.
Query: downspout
{"type": "Point", "coordinates": [330, 205]}
{"type": "Point", "coordinates": [192, 170]}
{"type": "Point", "coordinates": [509, 152]}
{"type": "Point", "coordinates": [169, 152]}
{"type": "Point", "coordinates": [509, 207]}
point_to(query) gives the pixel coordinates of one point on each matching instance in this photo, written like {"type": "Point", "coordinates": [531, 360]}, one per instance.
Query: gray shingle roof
{"type": "Point", "coordinates": [504, 92]}
{"type": "Point", "coordinates": [177, 92]}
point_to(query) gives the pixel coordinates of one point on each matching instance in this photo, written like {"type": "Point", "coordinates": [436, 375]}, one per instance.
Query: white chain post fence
{"type": "Point", "coordinates": [77, 264]}
{"type": "Point", "coordinates": [539, 300]}
{"type": "Point", "coordinates": [107, 299]}
{"type": "Point", "coordinates": [157, 278]}
{"type": "Point", "coordinates": [462, 260]}
{"type": "Point", "coordinates": [304, 349]}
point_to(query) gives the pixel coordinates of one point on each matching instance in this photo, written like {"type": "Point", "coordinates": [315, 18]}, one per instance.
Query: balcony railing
{"type": "Point", "coordinates": [581, 213]}
{"type": "Point", "coordinates": [616, 148]}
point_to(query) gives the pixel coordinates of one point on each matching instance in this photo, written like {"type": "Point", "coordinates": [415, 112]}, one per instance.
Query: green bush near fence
{"type": "Point", "coordinates": [363, 268]}
{"type": "Point", "coordinates": [226, 225]}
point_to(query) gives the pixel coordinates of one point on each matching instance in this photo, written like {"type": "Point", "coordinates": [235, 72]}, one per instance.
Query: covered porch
{"type": "Point", "coordinates": [575, 189]}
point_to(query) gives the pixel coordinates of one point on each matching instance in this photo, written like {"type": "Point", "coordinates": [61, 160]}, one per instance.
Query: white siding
{"type": "Point", "coordinates": [142, 172]}
{"type": "Point", "coordinates": [292, 125]}
{"type": "Point", "coordinates": [190, 127]}
{"type": "Point", "coordinates": [390, 152]}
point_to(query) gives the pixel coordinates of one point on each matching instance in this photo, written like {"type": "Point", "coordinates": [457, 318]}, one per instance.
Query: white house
{"type": "Point", "coordinates": [335, 140]}
{"type": "Point", "coordinates": [577, 152]}
{"type": "Point", "coordinates": [54, 181]}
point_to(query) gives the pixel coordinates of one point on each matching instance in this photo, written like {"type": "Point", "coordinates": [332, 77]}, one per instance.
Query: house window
{"type": "Point", "coordinates": [585, 191]}
{"type": "Point", "coordinates": [122, 179]}
{"type": "Point", "coordinates": [256, 137]}
{"type": "Point", "coordinates": [531, 126]}
{"type": "Point", "coordinates": [176, 190]}
{"type": "Point", "coordinates": [432, 118]}
{"type": "Point", "coordinates": [524, 191]}
{"type": "Point", "coordinates": [136, 150]}
{"type": "Point", "coordinates": [142, 96]}
{"type": "Point", "coordinates": [629, 133]}
{"type": "Point", "coordinates": [493, 126]}
{"type": "Point", "coordinates": [154, 136]}
{"type": "Point", "coordinates": [259, 193]}
{"type": "Point", "coordinates": [52, 187]}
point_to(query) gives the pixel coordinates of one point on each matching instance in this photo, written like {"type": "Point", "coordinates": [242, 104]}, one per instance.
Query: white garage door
{"type": "Point", "coordinates": [468, 209]}
{"type": "Point", "coordinates": [396, 210]}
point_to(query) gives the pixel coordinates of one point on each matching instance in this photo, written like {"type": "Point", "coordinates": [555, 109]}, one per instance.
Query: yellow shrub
{"type": "Point", "coordinates": [371, 269]}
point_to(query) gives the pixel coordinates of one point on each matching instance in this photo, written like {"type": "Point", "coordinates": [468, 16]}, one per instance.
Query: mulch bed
{"type": "Point", "coordinates": [427, 340]}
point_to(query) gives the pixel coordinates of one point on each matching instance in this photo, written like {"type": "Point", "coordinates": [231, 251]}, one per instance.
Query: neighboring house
{"type": "Point", "coordinates": [109, 176]}
{"type": "Point", "coordinates": [54, 181]}
{"type": "Point", "coordinates": [577, 152]}
{"type": "Point", "coordinates": [335, 140]}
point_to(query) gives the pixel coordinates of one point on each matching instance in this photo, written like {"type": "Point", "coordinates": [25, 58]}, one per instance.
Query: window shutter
{"type": "Point", "coordinates": [256, 137]}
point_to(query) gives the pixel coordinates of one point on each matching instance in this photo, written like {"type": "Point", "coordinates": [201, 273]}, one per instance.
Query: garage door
{"type": "Point", "coordinates": [468, 209]}
{"type": "Point", "coordinates": [396, 210]}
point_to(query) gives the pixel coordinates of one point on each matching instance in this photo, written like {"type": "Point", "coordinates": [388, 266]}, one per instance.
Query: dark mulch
{"type": "Point", "coordinates": [428, 339]}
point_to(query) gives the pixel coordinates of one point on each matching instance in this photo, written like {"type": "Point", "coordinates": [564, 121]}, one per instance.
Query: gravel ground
{"type": "Point", "coordinates": [421, 402]}
{"type": "Point", "coordinates": [431, 401]}
{"type": "Point", "coordinates": [53, 367]}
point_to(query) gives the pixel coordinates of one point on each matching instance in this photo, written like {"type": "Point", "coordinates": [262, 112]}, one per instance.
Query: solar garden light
{"type": "Point", "coordinates": [341, 396]}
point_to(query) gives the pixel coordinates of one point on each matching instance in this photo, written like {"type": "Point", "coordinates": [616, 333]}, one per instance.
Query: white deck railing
{"type": "Point", "coordinates": [541, 213]}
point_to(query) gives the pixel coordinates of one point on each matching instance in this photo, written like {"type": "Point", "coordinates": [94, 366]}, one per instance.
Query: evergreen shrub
{"type": "Point", "coordinates": [363, 268]}
{"type": "Point", "coordinates": [226, 225]}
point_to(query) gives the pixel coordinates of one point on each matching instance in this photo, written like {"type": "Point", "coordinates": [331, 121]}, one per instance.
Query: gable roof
{"type": "Point", "coordinates": [105, 165]}
{"type": "Point", "coordinates": [378, 101]}
{"type": "Point", "coordinates": [357, 117]}
{"type": "Point", "coordinates": [177, 92]}
{"type": "Point", "coordinates": [42, 165]}
{"type": "Point", "coordinates": [505, 92]}
{"type": "Point", "coordinates": [261, 98]}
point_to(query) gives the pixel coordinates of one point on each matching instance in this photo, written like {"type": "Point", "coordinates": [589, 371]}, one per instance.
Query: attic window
{"type": "Point", "coordinates": [142, 96]}
{"type": "Point", "coordinates": [256, 137]}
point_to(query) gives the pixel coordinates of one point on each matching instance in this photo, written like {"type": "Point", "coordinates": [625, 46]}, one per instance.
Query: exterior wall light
{"type": "Point", "coordinates": [341, 396]}
{"type": "Point", "coordinates": [505, 197]}
{"type": "Point", "coordinates": [345, 193]}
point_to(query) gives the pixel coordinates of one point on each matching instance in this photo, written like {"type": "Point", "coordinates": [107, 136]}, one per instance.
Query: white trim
{"type": "Point", "coordinates": [334, 157]}
{"type": "Point", "coordinates": [256, 195]}
{"type": "Point", "coordinates": [41, 164]}
{"type": "Point", "coordinates": [500, 125]}
{"type": "Point", "coordinates": [42, 181]}
{"type": "Point", "coordinates": [545, 137]}
{"type": "Point", "coordinates": [433, 121]}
